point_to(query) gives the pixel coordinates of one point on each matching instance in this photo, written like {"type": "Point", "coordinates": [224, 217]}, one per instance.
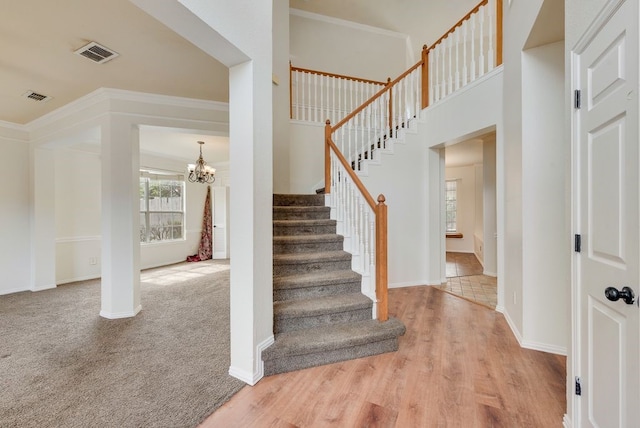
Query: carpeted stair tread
{"type": "Point", "coordinates": [296, 239]}
{"type": "Point", "coordinates": [328, 338]}
{"type": "Point", "coordinates": [301, 212]}
{"type": "Point", "coordinates": [302, 258]}
{"type": "Point", "coordinates": [298, 200]}
{"type": "Point", "coordinates": [315, 279]}
{"type": "Point", "coordinates": [321, 305]}
{"type": "Point", "coordinates": [303, 222]}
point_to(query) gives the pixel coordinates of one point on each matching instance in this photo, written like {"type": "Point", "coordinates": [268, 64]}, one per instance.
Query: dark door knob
{"type": "Point", "coordinates": [625, 294]}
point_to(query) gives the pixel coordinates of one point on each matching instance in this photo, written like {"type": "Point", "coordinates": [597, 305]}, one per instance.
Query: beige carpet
{"type": "Point", "coordinates": [62, 365]}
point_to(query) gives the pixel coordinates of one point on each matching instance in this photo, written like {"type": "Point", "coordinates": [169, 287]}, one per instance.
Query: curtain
{"type": "Point", "coordinates": [205, 250]}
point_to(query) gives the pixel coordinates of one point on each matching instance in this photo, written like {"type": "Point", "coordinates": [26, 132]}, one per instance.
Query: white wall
{"type": "Point", "coordinates": [281, 96]}
{"type": "Point", "coordinates": [546, 247]}
{"type": "Point", "coordinates": [342, 47]}
{"type": "Point", "coordinates": [78, 213]}
{"type": "Point", "coordinates": [401, 177]}
{"type": "Point", "coordinates": [465, 176]}
{"type": "Point", "coordinates": [306, 157]}
{"type": "Point", "coordinates": [489, 206]}
{"type": "Point", "coordinates": [15, 259]}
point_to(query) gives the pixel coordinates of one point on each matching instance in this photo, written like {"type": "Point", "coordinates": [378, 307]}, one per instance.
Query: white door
{"type": "Point", "coordinates": [607, 185]}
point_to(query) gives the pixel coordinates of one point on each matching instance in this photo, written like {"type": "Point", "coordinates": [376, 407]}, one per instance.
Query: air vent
{"type": "Point", "coordinates": [96, 53]}
{"type": "Point", "coordinates": [36, 96]}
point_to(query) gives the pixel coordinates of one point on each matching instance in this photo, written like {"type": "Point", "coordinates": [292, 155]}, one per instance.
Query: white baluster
{"type": "Point", "coordinates": [491, 58]}
{"type": "Point", "coordinates": [473, 48]}
{"type": "Point", "coordinates": [465, 71]}
{"type": "Point", "coordinates": [432, 72]}
{"type": "Point", "coordinates": [450, 46]}
{"type": "Point", "coordinates": [481, 42]}
{"type": "Point", "coordinates": [315, 98]}
{"type": "Point", "coordinates": [457, 74]}
{"type": "Point", "coordinates": [443, 92]}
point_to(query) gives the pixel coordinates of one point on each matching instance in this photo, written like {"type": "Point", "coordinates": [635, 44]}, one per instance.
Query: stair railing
{"type": "Point", "coordinates": [470, 49]}
{"type": "Point", "coordinates": [461, 55]}
{"type": "Point", "coordinates": [361, 221]}
{"type": "Point", "coordinates": [318, 95]}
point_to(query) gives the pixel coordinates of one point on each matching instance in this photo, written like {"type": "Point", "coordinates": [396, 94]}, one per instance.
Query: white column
{"type": "Point", "coordinates": [43, 237]}
{"type": "Point", "coordinates": [120, 219]}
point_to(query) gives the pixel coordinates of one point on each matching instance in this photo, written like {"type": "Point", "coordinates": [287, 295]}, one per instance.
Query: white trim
{"type": "Point", "coordinates": [551, 349]}
{"type": "Point", "coordinates": [512, 326]}
{"type": "Point", "coordinates": [345, 23]}
{"type": "Point", "coordinates": [253, 378]}
{"type": "Point", "coordinates": [603, 17]}
{"type": "Point", "coordinates": [421, 283]}
{"type": "Point", "coordinates": [13, 290]}
{"type": "Point", "coordinates": [106, 94]}
{"type": "Point", "coordinates": [78, 239]}
{"type": "Point", "coordinates": [43, 287]}
{"type": "Point", "coordinates": [487, 273]}
{"type": "Point", "coordinates": [118, 315]}
{"type": "Point", "coordinates": [500, 309]}
{"type": "Point", "coordinates": [77, 279]}
{"type": "Point", "coordinates": [566, 421]}
{"type": "Point", "coordinates": [14, 126]}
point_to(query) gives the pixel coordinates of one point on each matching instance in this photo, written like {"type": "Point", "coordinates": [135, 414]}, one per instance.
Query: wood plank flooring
{"type": "Point", "coordinates": [458, 366]}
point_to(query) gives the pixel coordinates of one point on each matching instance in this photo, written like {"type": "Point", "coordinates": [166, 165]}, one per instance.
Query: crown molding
{"type": "Point", "coordinates": [14, 126]}
{"type": "Point", "coordinates": [345, 23]}
{"type": "Point", "coordinates": [109, 94]}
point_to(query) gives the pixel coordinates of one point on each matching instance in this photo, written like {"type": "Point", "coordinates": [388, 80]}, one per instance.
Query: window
{"type": "Point", "coordinates": [451, 202]}
{"type": "Point", "coordinates": [161, 207]}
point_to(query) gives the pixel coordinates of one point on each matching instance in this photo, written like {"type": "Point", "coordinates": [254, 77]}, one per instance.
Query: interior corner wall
{"type": "Point", "coordinates": [519, 18]}
{"type": "Point", "coordinates": [349, 50]}
{"type": "Point", "coordinates": [465, 178]}
{"type": "Point", "coordinates": [489, 206]}
{"type": "Point", "coordinates": [306, 157]}
{"type": "Point", "coordinates": [281, 166]}
{"type": "Point", "coordinates": [15, 244]}
{"type": "Point", "coordinates": [545, 234]}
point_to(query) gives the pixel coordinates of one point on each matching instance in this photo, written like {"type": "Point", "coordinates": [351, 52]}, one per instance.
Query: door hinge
{"type": "Point", "coordinates": [577, 101]}
{"type": "Point", "coordinates": [578, 386]}
{"type": "Point", "coordinates": [577, 243]}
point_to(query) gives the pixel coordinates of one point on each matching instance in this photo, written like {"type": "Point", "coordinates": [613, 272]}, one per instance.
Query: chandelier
{"type": "Point", "coordinates": [200, 172]}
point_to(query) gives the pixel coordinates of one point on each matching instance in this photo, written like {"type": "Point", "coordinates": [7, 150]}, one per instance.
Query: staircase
{"type": "Point", "coordinates": [320, 315]}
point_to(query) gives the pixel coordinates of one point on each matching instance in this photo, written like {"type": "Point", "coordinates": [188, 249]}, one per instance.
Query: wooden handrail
{"type": "Point", "coordinates": [339, 76]}
{"type": "Point", "coordinates": [375, 96]}
{"type": "Point", "coordinates": [459, 23]}
{"type": "Point", "coordinates": [331, 145]}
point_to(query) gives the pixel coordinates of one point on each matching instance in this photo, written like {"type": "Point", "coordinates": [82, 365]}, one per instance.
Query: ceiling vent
{"type": "Point", "coordinates": [96, 53]}
{"type": "Point", "coordinates": [36, 96]}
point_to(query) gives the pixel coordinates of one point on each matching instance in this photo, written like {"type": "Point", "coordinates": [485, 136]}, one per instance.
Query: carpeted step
{"type": "Point", "coordinates": [291, 315]}
{"type": "Point", "coordinates": [301, 213]}
{"type": "Point", "coordinates": [324, 345]}
{"type": "Point", "coordinates": [307, 243]}
{"type": "Point", "coordinates": [298, 200]}
{"type": "Point", "coordinates": [290, 264]}
{"type": "Point", "coordinates": [316, 284]}
{"type": "Point", "coordinates": [303, 227]}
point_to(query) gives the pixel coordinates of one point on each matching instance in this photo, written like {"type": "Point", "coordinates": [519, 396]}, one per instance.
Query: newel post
{"type": "Point", "coordinates": [327, 157]}
{"type": "Point", "coordinates": [498, 32]}
{"type": "Point", "coordinates": [381, 260]}
{"type": "Point", "coordinates": [425, 76]}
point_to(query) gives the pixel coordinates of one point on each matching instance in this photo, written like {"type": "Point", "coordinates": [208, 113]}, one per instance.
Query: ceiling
{"type": "Point", "coordinates": [38, 39]}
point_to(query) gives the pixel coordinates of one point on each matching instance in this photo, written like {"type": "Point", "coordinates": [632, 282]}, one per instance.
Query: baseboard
{"type": "Point", "coordinates": [43, 287]}
{"type": "Point", "coordinates": [512, 326]}
{"type": "Point", "coordinates": [487, 273]}
{"type": "Point", "coordinates": [80, 278]}
{"type": "Point", "coordinates": [118, 315]}
{"type": "Point", "coordinates": [407, 284]}
{"type": "Point", "coordinates": [13, 290]}
{"type": "Point", "coordinates": [566, 421]}
{"type": "Point", "coordinates": [500, 309]}
{"type": "Point", "coordinates": [258, 370]}
{"type": "Point", "coordinates": [543, 347]}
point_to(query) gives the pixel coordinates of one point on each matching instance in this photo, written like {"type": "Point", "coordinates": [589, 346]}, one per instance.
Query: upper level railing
{"type": "Point", "coordinates": [370, 114]}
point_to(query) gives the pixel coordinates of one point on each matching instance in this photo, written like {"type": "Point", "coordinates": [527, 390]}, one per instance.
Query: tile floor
{"type": "Point", "coordinates": [465, 279]}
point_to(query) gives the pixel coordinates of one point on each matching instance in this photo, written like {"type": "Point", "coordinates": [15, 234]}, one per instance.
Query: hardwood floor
{"type": "Point", "coordinates": [458, 365]}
